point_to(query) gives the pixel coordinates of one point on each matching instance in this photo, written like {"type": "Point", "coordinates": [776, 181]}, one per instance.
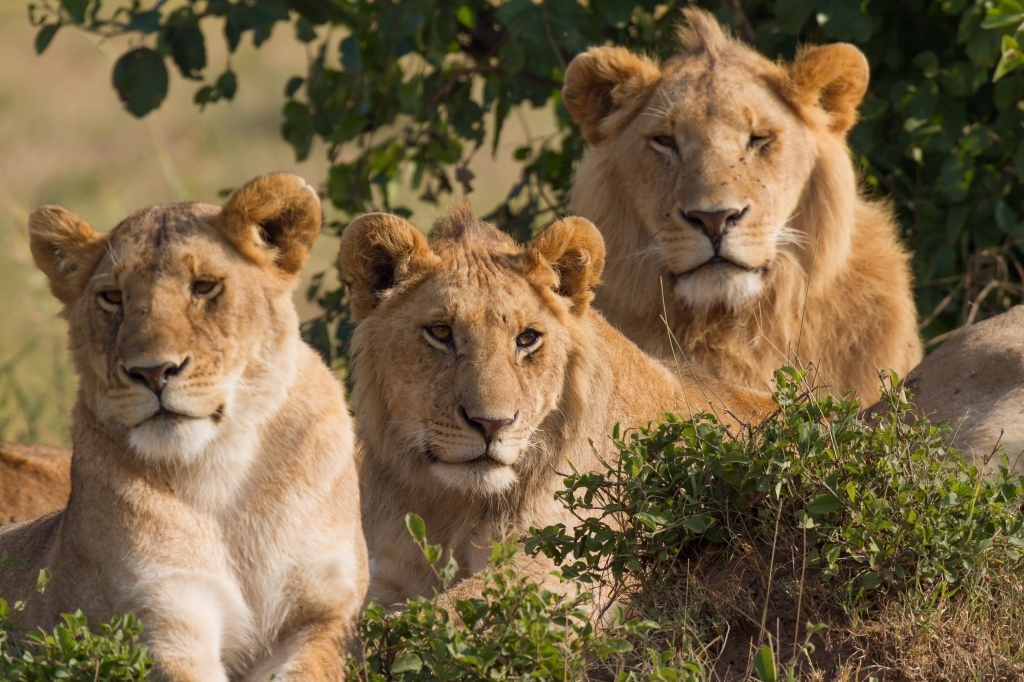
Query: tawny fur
{"type": "Point", "coordinates": [720, 127]}
{"type": "Point", "coordinates": [223, 510]}
{"type": "Point", "coordinates": [34, 480]}
{"type": "Point", "coordinates": [413, 394]}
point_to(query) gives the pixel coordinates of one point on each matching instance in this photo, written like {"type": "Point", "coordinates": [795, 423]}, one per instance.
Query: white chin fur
{"type": "Point", "coordinates": [178, 440]}
{"type": "Point", "coordinates": [719, 285]}
{"type": "Point", "coordinates": [475, 478]}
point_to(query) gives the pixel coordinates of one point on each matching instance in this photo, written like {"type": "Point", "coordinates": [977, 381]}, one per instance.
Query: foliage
{"type": "Point", "coordinates": [517, 630]}
{"type": "Point", "coordinates": [73, 652]}
{"type": "Point", "coordinates": [882, 505]}
{"type": "Point", "coordinates": [405, 94]}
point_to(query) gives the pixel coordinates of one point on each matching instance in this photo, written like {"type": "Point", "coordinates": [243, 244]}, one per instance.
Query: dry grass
{"type": "Point", "coordinates": [722, 607]}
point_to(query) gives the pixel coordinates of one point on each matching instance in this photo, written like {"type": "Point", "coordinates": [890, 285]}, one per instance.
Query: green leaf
{"type": "Point", "coordinates": [140, 79]}
{"type": "Point", "coordinates": [145, 22]}
{"type": "Point", "coordinates": [76, 8]}
{"type": "Point", "coordinates": [227, 84]}
{"type": "Point", "coordinates": [188, 49]}
{"type": "Point", "coordinates": [826, 503]}
{"type": "Point", "coordinates": [1011, 59]}
{"type": "Point", "coordinates": [870, 580]}
{"type": "Point", "coordinates": [409, 663]}
{"type": "Point", "coordinates": [464, 15]}
{"type": "Point", "coordinates": [1004, 13]}
{"type": "Point", "coordinates": [351, 57]}
{"type": "Point", "coordinates": [294, 83]}
{"type": "Point", "coordinates": [44, 37]}
{"type": "Point", "coordinates": [764, 665]}
{"type": "Point", "coordinates": [698, 524]}
{"type": "Point", "coordinates": [416, 527]}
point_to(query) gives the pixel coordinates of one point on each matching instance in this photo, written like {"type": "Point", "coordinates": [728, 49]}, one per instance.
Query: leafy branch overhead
{"type": "Point", "coordinates": [404, 95]}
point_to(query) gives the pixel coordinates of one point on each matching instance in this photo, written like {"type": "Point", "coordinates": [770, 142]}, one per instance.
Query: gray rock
{"type": "Point", "coordinates": [976, 381]}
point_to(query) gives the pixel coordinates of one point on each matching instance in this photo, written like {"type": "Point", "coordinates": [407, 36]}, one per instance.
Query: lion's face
{"type": "Point", "coordinates": [725, 161]}
{"type": "Point", "coordinates": [481, 339]}
{"type": "Point", "coordinates": [175, 315]}
{"type": "Point", "coordinates": [712, 152]}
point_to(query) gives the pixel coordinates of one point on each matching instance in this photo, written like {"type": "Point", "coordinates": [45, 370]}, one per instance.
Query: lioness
{"type": "Point", "coordinates": [34, 480]}
{"type": "Point", "coordinates": [723, 185]}
{"type": "Point", "coordinates": [479, 369]}
{"type": "Point", "coordinates": [214, 488]}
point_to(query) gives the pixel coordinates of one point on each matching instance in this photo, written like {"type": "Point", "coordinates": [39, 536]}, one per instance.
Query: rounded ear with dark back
{"type": "Point", "coordinates": [605, 87]}
{"type": "Point", "coordinates": [574, 249]}
{"type": "Point", "coordinates": [378, 251]}
{"type": "Point", "coordinates": [273, 219]}
{"type": "Point", "coordinates": [65, 248]}
{"type": "Point", "coordinates": [834, 77]}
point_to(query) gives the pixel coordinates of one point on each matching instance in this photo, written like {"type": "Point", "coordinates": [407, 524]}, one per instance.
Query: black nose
{"type": "Point", "coordinates": [714, 223]}
{"type": "Point", "coordinates": [487, 427]}
{"type": "Point", "coordinates": [155, 377]}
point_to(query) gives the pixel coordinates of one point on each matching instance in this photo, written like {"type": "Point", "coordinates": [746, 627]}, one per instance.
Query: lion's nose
{"type": "Point", "coordinates": [715, 223]}
{"type": "Point", "coordinates": [155, 377]}
{"type": "Point", "coordinates": [487, 426]}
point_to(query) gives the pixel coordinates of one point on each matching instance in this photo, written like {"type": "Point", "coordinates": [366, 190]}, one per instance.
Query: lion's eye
{"type": "Point", "coordinates": [665, 141]}
{"type": "Point", "coordinates": [203, 287]}
{"type": "Point", "coordinates": [527, 338]}
{"type": "Point", "coordinates": [759, 141]}
{"type": "Point", "coordinates": [111, 296]}
{"type": "Point", "coordinates": [441, 332]}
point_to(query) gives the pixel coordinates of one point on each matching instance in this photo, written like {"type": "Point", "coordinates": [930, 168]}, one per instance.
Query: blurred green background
{"type": "Point", "coordinates": [65, 139]}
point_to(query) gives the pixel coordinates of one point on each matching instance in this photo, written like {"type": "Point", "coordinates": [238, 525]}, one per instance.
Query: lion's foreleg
{"type": "Point", "coordinates": [190, 619]}
{"type": "Point", "coordinates": [317, 653]}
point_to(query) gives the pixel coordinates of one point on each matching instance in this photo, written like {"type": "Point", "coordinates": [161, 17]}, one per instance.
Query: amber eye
{"type": "Point", "coordinates": [665, 141]}
{"type": "Point", "coordinates": [441, 332]}
{"type": "Point", "coordinates": [527, 338]}
{"type": "Point", "coordinates": [204, 286]}
{"type": "Point", "coordinates": [111, 296]}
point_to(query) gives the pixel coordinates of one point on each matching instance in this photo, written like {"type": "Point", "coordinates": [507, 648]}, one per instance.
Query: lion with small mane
{"type": "Point", "coordinates": [479, 371]}
{"type": "Point", "coordinates": [213, 482]}
{"type": "Point", "coordinates": [725, 191]}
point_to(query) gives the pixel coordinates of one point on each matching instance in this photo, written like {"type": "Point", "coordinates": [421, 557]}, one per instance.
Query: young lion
{"type": "Point", "coordinates": [214, 485]}
{"type": "Point", "coordinates": [479, 370]}
{"type": "Point", "coordinates": [723, 186]}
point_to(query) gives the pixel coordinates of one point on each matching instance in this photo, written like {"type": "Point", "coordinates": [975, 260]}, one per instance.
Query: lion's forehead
{"type": "Point", "coordinates": [162, 241]}
{"type": "Point", "coordinates": [485, 292]}
{"type": "Point", "coordinates": [729, 96]}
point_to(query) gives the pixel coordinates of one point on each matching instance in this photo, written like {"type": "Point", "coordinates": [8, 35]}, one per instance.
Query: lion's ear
{"type": "Point", "coordinates": [65, 248]}
{"type": "Point", "coordinates": [605, 87]}
{"type": "Point", "coordinates": [835, 77]}
{"type": "Point", "coordinates": [378, 251]}
{"type": "Point", "coordinates": [574, 248]}
{"type": "Point", "coordinates": [273, 219]}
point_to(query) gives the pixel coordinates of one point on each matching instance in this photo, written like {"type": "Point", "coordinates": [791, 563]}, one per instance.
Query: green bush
{"type": "Point", "coordinates": [73, 652]}
{"type": "Point", "coordinates": [515, 631]}
{"type": "Point", "coordinates": [881, 505]}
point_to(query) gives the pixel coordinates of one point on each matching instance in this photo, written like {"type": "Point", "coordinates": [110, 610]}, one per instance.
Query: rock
{"type": "Point", "coordinates": [977, 376]}
{"type": "Point", "coordinates": [34, 480]}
